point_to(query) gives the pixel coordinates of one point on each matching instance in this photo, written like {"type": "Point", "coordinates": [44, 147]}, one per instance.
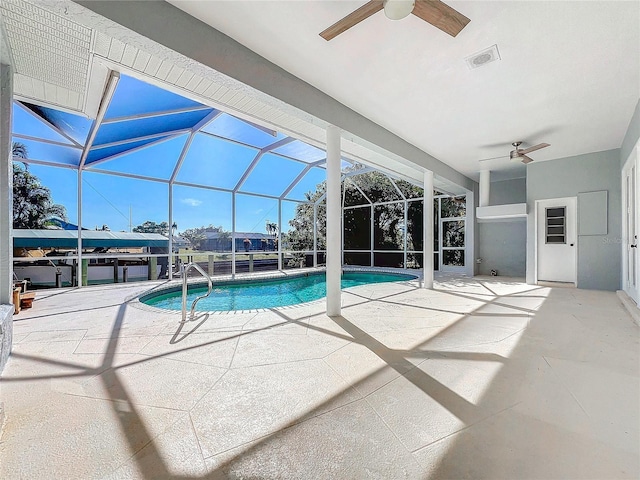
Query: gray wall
{"type": "Point", "coordinates": [598, 255]}
{"type": "Point", "coordinates": [631, 137]}
{"type": "Point", "coordinates": [503, 245]}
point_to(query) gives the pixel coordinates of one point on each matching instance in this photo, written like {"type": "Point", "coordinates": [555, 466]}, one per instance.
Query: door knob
{"type": "Point", "coordinates": [571, 245]}
{"type": "Point", "coordinates": [634, 246]}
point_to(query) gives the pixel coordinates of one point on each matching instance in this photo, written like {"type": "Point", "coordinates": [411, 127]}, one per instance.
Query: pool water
{"type": "Point", "coordinates": [267, 293]}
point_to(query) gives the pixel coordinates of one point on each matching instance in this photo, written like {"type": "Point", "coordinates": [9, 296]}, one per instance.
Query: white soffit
{"type": "Point", "coordinates": [50, 54]}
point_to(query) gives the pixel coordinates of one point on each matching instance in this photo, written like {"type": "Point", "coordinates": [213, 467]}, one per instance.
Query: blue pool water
{"type": "Point", "coordinates": [267, 293]}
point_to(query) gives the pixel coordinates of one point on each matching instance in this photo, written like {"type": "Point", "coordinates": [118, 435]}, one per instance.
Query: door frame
{"type": "Point", "coordinates": [633, 161]}
{"type": "Point", "coordinates": [537, 226]}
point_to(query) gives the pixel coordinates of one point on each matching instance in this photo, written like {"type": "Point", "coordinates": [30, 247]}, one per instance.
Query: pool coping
{"type": "Point", "coordinates": [176, 286]}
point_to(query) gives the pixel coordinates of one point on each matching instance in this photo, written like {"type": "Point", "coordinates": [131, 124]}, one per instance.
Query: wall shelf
{"type": "Point", "coordinates": [511, 211]}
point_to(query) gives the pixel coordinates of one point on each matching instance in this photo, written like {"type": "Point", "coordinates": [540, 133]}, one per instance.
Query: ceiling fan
{"type": "Point", "coordinates": [521, 153]}
{"type": "Point", "coordinates": [435, 12]}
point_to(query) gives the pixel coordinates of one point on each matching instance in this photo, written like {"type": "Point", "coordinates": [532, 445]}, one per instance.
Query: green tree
{"type": "Point", "coordinates": [300, 236]}
{"type": "Point", "coordinates": [388, 219]}
{"type": "Point", "coordinates": [32, 203]}
{"type": "Point", "coordinates": [152, 227]}
{"type": "Point", "coordinates": [197, 236]}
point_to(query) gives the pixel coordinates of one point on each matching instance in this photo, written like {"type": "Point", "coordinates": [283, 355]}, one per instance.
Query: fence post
{"type": "Point", "coordinates": [153, 268]}
{"type": "Point", "coordinates": [85, 273]}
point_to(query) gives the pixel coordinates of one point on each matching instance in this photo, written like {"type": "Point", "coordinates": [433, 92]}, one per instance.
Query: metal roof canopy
{"type": "Point", "coordinates": [90, 239]}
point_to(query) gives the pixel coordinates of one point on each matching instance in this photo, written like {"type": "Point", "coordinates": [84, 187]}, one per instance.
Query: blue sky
{"type": "Point", "coordinates": [119, 201]}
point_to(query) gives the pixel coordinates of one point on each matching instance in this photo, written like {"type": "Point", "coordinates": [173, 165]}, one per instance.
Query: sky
{"type": "Point", "coordinates": [122, 203]}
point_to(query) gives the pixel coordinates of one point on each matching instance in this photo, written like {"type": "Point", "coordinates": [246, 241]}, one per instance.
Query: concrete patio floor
{"type": "Point", "coordinates": [479, 378]}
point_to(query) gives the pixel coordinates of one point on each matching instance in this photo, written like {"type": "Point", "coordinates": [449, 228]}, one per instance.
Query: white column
{"type": "Point", "coordinates": [79, 268]}
{"type": "Point", "coordinates": [485, 187]}
{"type": "Point", "coordinates": [279, 235]}
{"type": "Point", "coordinates": [334, 234]}
{"type": "Point", "coordinates": [315, 235]}
{"type": "Point", "coordinates": [372, 243]}
{"type": "Point", "coordinates": [6, 186]}
{"type": "Point", "coordinates": [233, 234]}
{"type": "Point", "coordinates": [469, 236]}
{"type": "Point", "coordinates": [404, 239]}
{"type": "Point", "coordinates": [427, 231]}
{"type": "Point", "coordinates": [170, 260]}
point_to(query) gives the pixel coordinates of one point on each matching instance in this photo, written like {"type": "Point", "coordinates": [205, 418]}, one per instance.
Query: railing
{"type": "Point", "coordinates": [184, 271]}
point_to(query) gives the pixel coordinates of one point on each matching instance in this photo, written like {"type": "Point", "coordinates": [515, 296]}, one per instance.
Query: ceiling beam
{"type": "Point", "coordinates": [127, 152]}
{"type": "Point", "coordinates": [300, 177]}
{"type": "Point", "coordinates": [194, 130]}
{"type": "Point", "coordinates": [109, 90]}
{"type": "Point", "coordinates": [145, 137]}
{"type": "Point", "coordinates": [46, 163]}
{"type": "Point", "coordinates": [257, 158]}
{"type": "Point", "coordinates": [127, 175]}
{"type": "Point", "coordinates": [47, 123]}
{"type": "Point", "coordinates": [162, 113]}
{"type": "Point", "coordinates": [44, 140]}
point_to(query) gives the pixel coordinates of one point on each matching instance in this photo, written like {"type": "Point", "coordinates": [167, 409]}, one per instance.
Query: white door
{"type": "Point", "coordinates": [630, 233]}
{"type": "Point", "coordinates": [557, 240]}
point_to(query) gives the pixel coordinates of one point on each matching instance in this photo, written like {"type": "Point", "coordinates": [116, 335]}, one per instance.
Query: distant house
{"type": "Point", "coordinates": [179, 242]}
{"type": "Point", "coordinates": [221, 242]}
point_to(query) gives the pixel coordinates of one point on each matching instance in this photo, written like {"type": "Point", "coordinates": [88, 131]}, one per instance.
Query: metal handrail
{"type": "Point", "coordinates": [184, 271]}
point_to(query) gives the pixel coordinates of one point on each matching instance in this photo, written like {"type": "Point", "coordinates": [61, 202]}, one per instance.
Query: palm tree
{"type": "Point", "coordinates": [32, 204]}
{"type": "Point", "coordinates": [19, 150]}
{"type": "Point", "coordinates": [272, 228]}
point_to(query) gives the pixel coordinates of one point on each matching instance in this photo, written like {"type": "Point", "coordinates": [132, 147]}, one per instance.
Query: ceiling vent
{"type": "Point", "coordinates": [483, 57]}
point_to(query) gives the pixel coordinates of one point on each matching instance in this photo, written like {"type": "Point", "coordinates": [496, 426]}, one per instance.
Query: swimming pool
{"type": "Point", "coordinates": [257, 294]}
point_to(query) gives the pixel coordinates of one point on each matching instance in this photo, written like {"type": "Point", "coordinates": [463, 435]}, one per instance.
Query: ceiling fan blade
{"type": "Point", "coordinates": [526, 159]}
{"type": "Point", "coordinates": [441, 16]}
{"type": "Point", "coordinates": [534, 148]}
{"type": "Point", "coordinates": [352, 19]}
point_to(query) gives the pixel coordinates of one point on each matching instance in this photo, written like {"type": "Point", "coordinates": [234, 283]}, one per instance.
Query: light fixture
{"type": "Point", "coordinates": [398, 9]}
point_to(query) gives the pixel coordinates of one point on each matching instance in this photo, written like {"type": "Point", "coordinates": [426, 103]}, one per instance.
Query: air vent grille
{"type": "Point", "coordinates": [483, 57]}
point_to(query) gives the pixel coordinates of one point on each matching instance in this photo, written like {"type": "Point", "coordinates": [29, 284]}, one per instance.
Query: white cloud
{"type": "Point", "coordinates": [192, 202]}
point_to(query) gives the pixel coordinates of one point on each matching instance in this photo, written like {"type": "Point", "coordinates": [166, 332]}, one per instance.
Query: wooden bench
{"type": "Point", "coordinates": [22, 299]}
{"type": "Point", "coordinates": [26, 299]}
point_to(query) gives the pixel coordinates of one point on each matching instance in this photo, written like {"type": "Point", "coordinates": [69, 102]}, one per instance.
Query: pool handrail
{"type": "Point", "coordinates": [184, 270]}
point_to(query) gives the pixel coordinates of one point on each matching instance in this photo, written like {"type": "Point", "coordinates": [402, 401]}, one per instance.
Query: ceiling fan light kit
{"type": "Point", "coordinates": [398, 9]}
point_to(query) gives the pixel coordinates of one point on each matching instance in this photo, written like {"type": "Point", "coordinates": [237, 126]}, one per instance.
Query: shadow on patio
{"type": "Point", "coordinates": [499, 380]}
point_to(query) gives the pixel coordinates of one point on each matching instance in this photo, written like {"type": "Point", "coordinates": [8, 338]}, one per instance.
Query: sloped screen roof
{"type": "Point", "coordinates": [148, 132]}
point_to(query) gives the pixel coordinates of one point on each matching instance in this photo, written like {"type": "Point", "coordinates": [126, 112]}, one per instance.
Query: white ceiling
{"type": "Point", "coordinates": [569, 73]}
